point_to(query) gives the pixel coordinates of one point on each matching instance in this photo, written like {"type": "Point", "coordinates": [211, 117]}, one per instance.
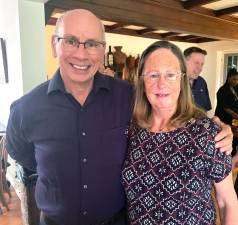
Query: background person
{"type": "Point", "coordinates": [227, 109]}
{"type": "Point", "coordinates": [195, 58]}
{"type": "Point", "coordinates": [227, 101]}
{"type": "Point", "coordinates": [172, 162]}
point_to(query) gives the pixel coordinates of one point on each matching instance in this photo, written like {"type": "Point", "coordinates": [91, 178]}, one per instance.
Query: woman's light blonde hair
{"type": "Point", "coordinates": [186, 108]}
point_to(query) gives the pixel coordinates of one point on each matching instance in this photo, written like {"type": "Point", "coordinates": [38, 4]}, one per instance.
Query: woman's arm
{"type": "Point", "coordinates": [227, 201]}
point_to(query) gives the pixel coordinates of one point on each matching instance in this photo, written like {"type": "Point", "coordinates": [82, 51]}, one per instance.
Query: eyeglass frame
{"type": "Point", "coordinates": [102, 43]}
{"type": "Point", "coordinates": [158, 75]}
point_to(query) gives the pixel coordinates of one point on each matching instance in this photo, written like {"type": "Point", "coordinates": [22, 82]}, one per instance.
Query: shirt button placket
{"type": "Point", "coordinates": [84, 160]}
{"type": "Point", "coordinates": [83, 133]}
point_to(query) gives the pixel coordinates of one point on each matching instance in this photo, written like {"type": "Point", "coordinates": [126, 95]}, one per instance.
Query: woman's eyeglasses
{"type": "Point", "coordinates": [170, 76]}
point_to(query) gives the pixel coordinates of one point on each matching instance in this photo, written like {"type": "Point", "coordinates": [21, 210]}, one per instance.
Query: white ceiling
{"type": "Point", "coordinates": [221, 4]}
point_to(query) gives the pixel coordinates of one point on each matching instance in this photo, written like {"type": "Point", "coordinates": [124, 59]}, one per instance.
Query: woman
{"type": "Point", "coordinates": [172, 162]}
{"type": "Point", "coordinates": [227, 98]}
{"type": "Point", "coordinates": [227, 101]}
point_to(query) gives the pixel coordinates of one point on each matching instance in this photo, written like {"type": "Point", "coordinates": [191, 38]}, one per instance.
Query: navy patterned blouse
{"type": "Point", "coordinates": [168, 176]}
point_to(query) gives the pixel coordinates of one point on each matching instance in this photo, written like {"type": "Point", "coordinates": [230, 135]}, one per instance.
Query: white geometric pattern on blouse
{"type": "Point", "coordinates": [153, 174]}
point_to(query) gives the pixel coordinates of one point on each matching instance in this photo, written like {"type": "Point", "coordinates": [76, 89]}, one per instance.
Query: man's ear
{"type": "Point", "coordinates": [53, 46]}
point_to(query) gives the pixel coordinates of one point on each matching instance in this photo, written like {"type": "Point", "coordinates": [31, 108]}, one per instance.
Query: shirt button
{"type": "Point", "coordinates": [81, 109]}
{"type": "Point", "coordinates": [83, 133]}
{"type": "Point", "coordinates": [85, 186]}
{"type": "Point", "coordinates": [85, 213]}
{"type": "Point", "coordinates": [84, 160]}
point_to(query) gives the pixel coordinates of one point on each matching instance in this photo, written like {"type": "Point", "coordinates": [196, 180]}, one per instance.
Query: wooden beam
{"type": "Point", "coordinates": [156, 36]}
{"type": "Point", "coordinates": [133, 33]}
{"type": "Point", "coordinates": [202, 40]}
{"type": "Point", "coordinates": [189, 4]}
{"type": "Point", "coordinates": [155, 16]}
{"type": "Point", "coordinates": [226, 11]}
{"type": "Point", "coordinates": [169, 34]}
{"type": "Point", "coordinates": [116, 26]}
{"type": "Point", "coordinates": [190, 37]}
{"type": "Point", "coordinates": [145, 31]}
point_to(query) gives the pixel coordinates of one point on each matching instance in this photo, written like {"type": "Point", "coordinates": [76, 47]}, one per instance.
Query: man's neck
{"type": "Point", "coordinates": [79, 91]}
{"type": "Point", "coordinates": [191, 81]}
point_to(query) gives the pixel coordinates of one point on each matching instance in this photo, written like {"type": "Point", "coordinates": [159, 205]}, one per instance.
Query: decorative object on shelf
{"type": "Point", "coordinates": [119, 61]}
{"type": "Point", "coordinates": [109, 60]}
{"type": "Point", "coordinates": [129, 72]}
{"type": "Point", "coordinates": [3, 62]}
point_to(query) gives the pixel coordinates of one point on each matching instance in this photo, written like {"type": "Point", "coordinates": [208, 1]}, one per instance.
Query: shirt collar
{"type": "Point", "coordinates": [100, 82]}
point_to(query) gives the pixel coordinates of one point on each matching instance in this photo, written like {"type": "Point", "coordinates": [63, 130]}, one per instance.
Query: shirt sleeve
{"type": "Point", "coordinates": [17, 145]}
{"type": "Point", "coordinates": [219, 164]}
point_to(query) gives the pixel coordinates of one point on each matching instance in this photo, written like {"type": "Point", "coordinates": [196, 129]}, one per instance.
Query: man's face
{"type": "Point", "coordinates": [78, 65]}
{"type": "Point", "coordinates": [194, 64]}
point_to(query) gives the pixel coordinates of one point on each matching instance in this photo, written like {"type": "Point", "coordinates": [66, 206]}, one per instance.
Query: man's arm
{"type": "Point", "coordinates": [224, 138]}
{"type": "Point", "coordinates": [17, 145]}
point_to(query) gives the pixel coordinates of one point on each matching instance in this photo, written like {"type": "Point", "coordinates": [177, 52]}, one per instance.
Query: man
{"type": "Point", "coordinates": [195, 58]}
{"type": "Point", "coordinates": [72, 130]}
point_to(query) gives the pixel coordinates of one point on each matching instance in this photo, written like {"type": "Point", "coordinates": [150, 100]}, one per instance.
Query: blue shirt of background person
{"type": "Point", "coordinates": [195, 58]}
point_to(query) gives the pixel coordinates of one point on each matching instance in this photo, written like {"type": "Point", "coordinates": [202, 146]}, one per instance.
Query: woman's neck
{"type": "Point", "coordinates": [161, 121]}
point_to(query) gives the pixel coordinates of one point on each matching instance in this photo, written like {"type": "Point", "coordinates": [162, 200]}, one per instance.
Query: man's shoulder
{"type": "Point", "coordinates": [116, 84]}
{"type": "Point", "coordinates": [122, 83]}
{"type": "Point", "coordinates": [201, 80]}
{"type": "Point", "coordinates": [32, 96]}
{"type": "Point", "coordinates": [115, 81]}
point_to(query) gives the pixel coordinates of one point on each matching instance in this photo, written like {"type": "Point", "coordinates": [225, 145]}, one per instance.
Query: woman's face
{"type": "Point", "coordinates": [233, 81]}
{"type": "Point", "coordinates": [162, 76]}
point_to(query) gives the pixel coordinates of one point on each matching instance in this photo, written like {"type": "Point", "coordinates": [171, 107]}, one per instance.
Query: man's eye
{"type": "Point", "coordinates": [71, 41]}
{"type": "Point", "coordinates": [91, 44]}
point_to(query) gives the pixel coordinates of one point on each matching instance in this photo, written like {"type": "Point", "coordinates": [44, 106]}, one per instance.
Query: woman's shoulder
{"type": "Point", "coordinates": [204, 124]}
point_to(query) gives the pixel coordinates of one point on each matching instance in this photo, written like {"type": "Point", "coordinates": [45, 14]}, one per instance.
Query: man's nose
{"type": "Point", "coordinates": [80, 50]}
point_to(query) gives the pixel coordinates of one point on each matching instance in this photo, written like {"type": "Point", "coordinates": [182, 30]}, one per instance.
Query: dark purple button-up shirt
{"type": "Point", "coordinates": [78, 151]}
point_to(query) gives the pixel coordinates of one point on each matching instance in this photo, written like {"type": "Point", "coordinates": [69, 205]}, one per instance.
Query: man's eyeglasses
{"type": "Point", "coordinates": [170, 76]}
{"type": "Point", "coordinates": [70, 43]}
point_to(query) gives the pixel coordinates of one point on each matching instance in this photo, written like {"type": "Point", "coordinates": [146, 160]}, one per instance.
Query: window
{"type": "Point", "coordinates": [230, 61]}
